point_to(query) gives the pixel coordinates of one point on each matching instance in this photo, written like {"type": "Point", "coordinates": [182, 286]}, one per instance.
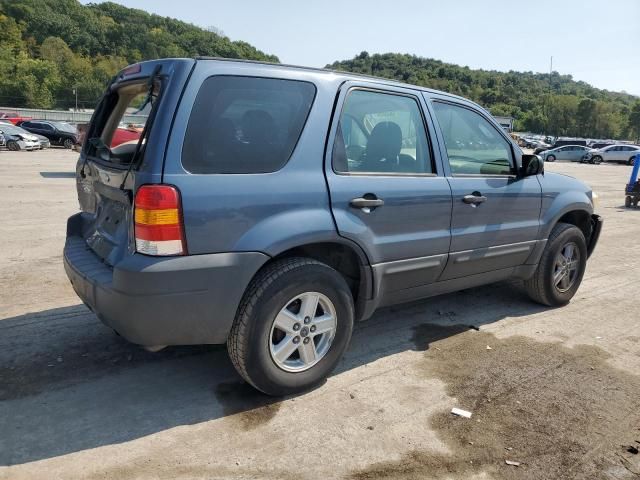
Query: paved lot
{"type": "Point", "coordinates": [555, 389]}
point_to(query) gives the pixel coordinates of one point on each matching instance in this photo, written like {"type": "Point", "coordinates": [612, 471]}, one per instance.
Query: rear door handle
{"type": "Point", "coordinates": [362, 202]}
{"type": "Point", "coordinates": [474, 199]}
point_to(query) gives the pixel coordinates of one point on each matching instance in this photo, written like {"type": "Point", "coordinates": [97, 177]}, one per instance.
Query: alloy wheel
{"type": "Point", "coordinates": [566, 267]}
{"type": "Point", "coordinates": [302, 332]}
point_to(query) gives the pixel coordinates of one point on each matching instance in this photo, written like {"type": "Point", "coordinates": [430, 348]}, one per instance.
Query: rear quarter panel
{"type": "Point", "coordinates": [266, 212]}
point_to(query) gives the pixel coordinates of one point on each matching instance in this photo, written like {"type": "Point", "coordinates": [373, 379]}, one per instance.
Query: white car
{"type": "Point", "coordinates": [615, 153]}
{"type": "Point", "coordinates": [18, 139]}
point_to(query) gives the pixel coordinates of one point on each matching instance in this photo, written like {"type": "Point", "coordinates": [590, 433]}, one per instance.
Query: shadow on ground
{"type": "Point", "coordinates": [58, 174]}
{"type": "Point", "coordinates": [67, 383]}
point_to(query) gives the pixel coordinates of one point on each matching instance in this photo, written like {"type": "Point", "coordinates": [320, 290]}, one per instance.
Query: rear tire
{"type": "Point", "coordinates": [627, 202]}
{"type": "Point", "coordinates": [544, 286]}
{"type": "Point", "coordinates": [254, 335]}
{"type": "Point", "coordinates": [631, 161]}
{"type": "Point", "coordinates": [68, 143]}
{"type": "Point", "coordinates": [551, 158]}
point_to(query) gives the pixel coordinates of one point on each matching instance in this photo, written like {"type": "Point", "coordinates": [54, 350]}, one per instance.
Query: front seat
{"type": "Point", "coordinates": [383, 150]}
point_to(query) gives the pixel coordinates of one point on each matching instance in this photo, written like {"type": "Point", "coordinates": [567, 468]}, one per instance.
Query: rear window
{"type": "Point", "coordinates": [245, 124]}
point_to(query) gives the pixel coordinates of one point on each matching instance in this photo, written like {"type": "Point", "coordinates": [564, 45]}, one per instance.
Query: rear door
{"type": "Point", "coordinates": [388, 192]}
{"type": "Point", "coordinates": [107, 178]}
{"type": "Point", "coordinates": [496, 215]}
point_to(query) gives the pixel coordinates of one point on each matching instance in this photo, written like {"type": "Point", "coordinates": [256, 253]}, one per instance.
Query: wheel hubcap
{"type": "Point", "coordinates": [565, 269]}
{"type": "Point", "coordinates": [302, 332]}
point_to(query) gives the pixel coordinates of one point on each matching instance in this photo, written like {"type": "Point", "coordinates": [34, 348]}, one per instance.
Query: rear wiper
{"type": "Point", "coordinates": [135, 159]}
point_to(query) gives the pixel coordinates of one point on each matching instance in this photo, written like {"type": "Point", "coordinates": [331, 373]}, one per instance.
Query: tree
{"type": "Point", "coordinates": [634, 121]}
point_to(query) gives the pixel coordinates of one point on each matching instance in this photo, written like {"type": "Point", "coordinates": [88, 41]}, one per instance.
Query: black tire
{"type": "Point", "coordinates": [13, 146]}
{"type": "Point", "coordinates": [627, 201]}
{"type": "Point", "coordinates": [540, 286]}
{"type": "Point", "coordinates": [271, 289]}
{"type": "Point", "coordinates": [631, 161]}
{"type": "Point", "coordinates": [597, 159]}
{"type": "Point", "coordinates": [68, 143]}
{"type": "Point", "coordinates": [551, 158]}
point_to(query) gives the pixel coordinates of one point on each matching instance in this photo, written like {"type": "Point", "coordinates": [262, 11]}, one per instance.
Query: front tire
{"type": "Point", "coordinates": [13, 146]}
{"type": "Point", "coordinates": [631, 161]}
{"type": "Point", "coordinates": [561, 267]}
{"type": "Point", "coordinates": [551, 158]}
{"type": "Point", "coordinates": [281, 341]}
{"type": "Point", "coordinates": [68, 143]}
{"type": "Point", "coordinates": [597, 160]}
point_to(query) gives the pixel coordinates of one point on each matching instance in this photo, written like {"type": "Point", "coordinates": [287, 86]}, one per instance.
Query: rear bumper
{"type": "Point", "coordinates": [162, 301]}
{"type": "Point", "coordinates": [596, 228]}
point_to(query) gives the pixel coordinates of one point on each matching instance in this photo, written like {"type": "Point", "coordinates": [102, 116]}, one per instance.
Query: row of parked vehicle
{"type": "Point", "coordinates": [29, 134]}
{"type": "Point", "coordinates": [580, 153]}
{"type": "Point", "coordinates": [580, 150]}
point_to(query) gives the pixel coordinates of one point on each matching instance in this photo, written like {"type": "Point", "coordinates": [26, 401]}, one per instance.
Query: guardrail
{"type": "Point", "coordinates": [65, 115]}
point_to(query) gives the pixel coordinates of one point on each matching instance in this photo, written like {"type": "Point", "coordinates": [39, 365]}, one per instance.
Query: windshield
{"type": "Point", "coordinates": [66, 127]}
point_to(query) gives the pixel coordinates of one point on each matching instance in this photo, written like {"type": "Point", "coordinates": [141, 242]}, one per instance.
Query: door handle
{"type": "Point", "coordinates": [364, 202]}
{"type": "Point", "coordinates": [474, 199]}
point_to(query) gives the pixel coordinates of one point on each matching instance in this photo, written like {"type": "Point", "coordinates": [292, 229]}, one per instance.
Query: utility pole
{"type": "Point", "coordinates": [75, 92]}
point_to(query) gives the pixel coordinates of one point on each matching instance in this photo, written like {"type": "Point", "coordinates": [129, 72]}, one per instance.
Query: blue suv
{"type": "Point", "coordinates": [270, 207]}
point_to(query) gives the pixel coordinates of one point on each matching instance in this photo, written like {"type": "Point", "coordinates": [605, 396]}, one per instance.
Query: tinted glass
{"type": "Point", "coordinates": [381, 133]}
{"type": "Point", "coordinates": [245, 124]}
{"type": "Point", "coordinates": [473, 145]}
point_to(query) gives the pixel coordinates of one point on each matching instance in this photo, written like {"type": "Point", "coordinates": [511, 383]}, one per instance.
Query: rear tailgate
{"type": "Point", "coordinates": [106, 177]}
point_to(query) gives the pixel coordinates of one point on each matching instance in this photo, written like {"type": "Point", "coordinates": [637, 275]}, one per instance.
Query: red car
{"type": "Point", "coordinates": [13, 117]}
{"type": "Point", "coordinates": [123, 135]}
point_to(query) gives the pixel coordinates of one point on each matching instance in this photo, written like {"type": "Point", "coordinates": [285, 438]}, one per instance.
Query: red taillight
{"type": "Point", "coordinates": [158, 221]}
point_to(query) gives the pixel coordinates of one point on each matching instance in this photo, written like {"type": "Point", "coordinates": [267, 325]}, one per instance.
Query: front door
{"type": "Point", "coordinates": [388, 193]}
{"type": "Point", "coordinates": [496, 215]}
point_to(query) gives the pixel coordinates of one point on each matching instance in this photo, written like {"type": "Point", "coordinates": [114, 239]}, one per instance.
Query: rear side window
{"type": "Point", "coordinates": [245, 124]}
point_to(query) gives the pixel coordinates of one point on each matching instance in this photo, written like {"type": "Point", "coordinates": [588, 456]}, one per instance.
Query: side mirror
{"type": "Point", "coordinates": [532, 165]}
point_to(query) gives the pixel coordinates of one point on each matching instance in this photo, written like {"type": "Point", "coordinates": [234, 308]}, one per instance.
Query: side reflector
{"type": "Point", "coordinates": [158, 221]}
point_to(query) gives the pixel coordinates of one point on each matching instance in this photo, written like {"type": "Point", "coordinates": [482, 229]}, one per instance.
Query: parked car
{"type": "Point", "coordinates": [13, 117]}
{"type": "Point", "coordinates": [540, 147]}
{"type": "Point", "coordinates": [562, 141]}
{"type": "Point", "coordinates": [615, 153]}
{"type": "Point", "coordinates": [272, 206]}
{"type": "Point", "coordinates": [124, 134]}
{"type": "Point", "coordinates": [18, 139]}
{"type": "Point", "coordinates": [44, 141]}
{"type": "Point", "coordinates": [62, 134]}
{"type": "Point", "coordinates": [574, 153]}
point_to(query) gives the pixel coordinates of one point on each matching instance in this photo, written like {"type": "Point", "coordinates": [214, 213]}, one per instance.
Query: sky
{"type": "Point", "coordinates": [594, 41]}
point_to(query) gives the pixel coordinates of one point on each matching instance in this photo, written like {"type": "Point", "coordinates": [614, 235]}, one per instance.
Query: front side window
{"type": "Point", "coordinates": [245, 124]}
{"type": "Point", "coordinates": [381, 133]}
{"type": "Point", "coordinates": [474, 146]}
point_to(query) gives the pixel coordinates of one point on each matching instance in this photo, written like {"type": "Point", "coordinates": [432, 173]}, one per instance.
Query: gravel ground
{"type": "Point", "coordinates": [554, 389]}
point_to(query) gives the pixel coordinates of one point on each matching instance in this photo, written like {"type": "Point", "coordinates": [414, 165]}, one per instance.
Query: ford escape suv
{"type": "Point", "coordinates": [269, 207]}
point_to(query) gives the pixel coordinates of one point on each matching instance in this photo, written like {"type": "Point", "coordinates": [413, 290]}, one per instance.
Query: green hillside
{"type": "Point", "coordinates": [558, 105]}
{"type": "Point", "coordinates": [50, 46]}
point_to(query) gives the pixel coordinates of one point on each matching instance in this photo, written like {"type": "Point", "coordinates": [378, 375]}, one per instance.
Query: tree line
{"type": "Point", "coordinates": [541, 103]}
{"type": "Point", "coordinates": [49, 48]}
